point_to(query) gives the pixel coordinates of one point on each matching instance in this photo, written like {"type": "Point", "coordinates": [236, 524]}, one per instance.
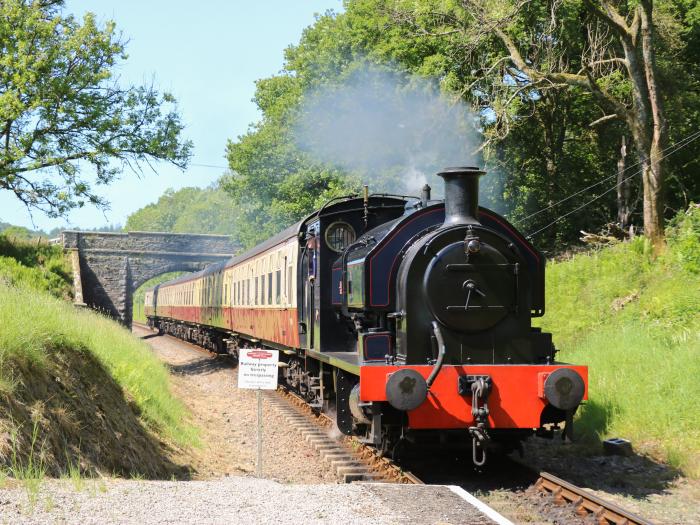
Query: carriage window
{"type": "Point", "coordinates": [289, 285]}
{"type": "Point", "coordinates": [278, 287]}
{"type": "Point", "coordinates": [269, 288]}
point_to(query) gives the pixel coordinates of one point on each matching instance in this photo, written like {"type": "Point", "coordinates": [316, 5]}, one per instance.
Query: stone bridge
{"type": "Point", "coordinates": [109, 267]}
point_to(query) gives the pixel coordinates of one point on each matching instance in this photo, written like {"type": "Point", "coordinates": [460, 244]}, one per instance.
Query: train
{"type": "Point", "coordinates": [409, 320]}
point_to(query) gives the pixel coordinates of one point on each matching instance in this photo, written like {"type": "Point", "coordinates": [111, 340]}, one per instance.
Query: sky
{"type": "Point", "coordinates": [208, 54]}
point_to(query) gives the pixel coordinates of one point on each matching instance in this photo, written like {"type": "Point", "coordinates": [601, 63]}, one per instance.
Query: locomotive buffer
{"type": "Point", "coordinates": [257, 370]}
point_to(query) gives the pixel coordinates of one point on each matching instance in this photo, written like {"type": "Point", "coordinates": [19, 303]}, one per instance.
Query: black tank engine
{"type": "Point", "coordinates": [441, 301]}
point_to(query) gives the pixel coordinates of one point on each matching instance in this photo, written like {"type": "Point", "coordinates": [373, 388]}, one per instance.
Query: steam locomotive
{"type": "Point", "coordinates": [406, 318]}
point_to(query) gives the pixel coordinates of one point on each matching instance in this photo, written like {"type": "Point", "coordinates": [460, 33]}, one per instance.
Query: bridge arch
{"type": "Point", "coordinates": [109, 267]}
{"type": "Point", "coordinates": [176, 267]}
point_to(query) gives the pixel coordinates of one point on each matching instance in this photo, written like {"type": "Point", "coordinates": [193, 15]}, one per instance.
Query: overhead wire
{"type": "Point", "coordinates": [668, 151]}
{"type": "Point", "coordinates": [209, 166]}
{"type": "Point", "coordinates": [673, 149]}
{"type": "Point", "coordinates": [529, 236]}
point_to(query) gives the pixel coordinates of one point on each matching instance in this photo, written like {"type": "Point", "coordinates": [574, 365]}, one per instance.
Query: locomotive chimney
{"type": "Point", "coordinates": [461, 194]}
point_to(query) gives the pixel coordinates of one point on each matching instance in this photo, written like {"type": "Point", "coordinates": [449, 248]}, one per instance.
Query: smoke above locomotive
{"type": "Point", "coordinates": [384, 125]}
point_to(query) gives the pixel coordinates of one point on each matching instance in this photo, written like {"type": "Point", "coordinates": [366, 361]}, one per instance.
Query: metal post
{"type": "Point", "coordinates": [258, 465]}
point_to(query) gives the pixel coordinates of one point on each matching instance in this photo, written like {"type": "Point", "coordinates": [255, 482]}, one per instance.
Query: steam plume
{"type": "Point", "coordinates": [386, 126]}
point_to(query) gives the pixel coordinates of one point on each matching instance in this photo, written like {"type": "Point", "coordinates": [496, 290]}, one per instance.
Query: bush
{"type": "Point", "coordinates": [684, 239]}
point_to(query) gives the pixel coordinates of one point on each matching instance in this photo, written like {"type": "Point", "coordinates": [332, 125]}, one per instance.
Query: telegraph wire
{"type": "Point", "coordinates": [675, 147]}
{"type": "Point", "coordinates": [531, 235]}
{"type": "Point", "coordinates": [209, 166]}
{"type": "Point", "coordinates": [678, 145]}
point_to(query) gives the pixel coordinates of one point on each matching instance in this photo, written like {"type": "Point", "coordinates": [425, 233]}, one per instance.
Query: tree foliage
{"type": "Point", "coordinates": [188, 210]}
{"type": "Point", "coordinates": [606, 49]}
{"type": "Point", "coordinates": [272, 182]}
{"type": "Point", "coordinates": [63, 113]}
{"type": "Point", "coordinates": [540, 144]}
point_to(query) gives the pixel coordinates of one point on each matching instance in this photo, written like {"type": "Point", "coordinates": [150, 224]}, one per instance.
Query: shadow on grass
{"type": "Point", "coordinates": [84, 419]}
{"type": "Point", "coordinates": [150, 336]}
{"type": "Point", "coordinates": [585, 463]}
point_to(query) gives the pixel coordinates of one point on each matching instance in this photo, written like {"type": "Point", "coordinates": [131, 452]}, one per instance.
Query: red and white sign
{"type": "Point", "coordinates": [257, 369]}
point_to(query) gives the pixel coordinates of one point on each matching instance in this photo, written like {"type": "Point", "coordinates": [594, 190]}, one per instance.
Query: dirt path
{"type": "Point", "coordinates": [227, 418]}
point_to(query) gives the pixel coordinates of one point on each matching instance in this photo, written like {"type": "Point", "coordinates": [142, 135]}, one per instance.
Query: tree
{"type": "Point", "coordinates": [272, 183]}
{"type": "Point", "coordinates": [605, 48]}
{"type": "Point", "coordinates": [539, 144]}
{"type": "Point", "coordinates": [189, 210]}
{"type": "Point", "coordinates": [61, 110]}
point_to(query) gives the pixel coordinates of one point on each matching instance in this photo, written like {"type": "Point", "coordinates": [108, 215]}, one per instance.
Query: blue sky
{"type": "Point", "coordinates": [208, 54]}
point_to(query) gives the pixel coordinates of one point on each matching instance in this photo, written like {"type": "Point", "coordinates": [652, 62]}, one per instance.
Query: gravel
{"type": "Point", "coordinates": [234, 500]}
{"type": "Point", "coordinates": [299, 487]}
{"type": "Point", "coordinates": [227, 418]}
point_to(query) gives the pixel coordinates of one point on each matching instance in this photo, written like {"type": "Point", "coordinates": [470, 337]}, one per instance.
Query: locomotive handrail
{"type": "Point", "coordinates": [441, 355]}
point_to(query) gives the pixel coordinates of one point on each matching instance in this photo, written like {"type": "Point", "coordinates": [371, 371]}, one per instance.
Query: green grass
{"type": "Point", "coordinates": [635, 321]}
{"type": "Point", "coordinates": [35, 264]}
{"type": "Point", "coordinates": [33, 322]}
{"type": "Point", "coordinates": [29, 473]}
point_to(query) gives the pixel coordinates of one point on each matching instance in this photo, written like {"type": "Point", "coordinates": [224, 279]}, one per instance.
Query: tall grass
{"type": "Point", "coordinates": [635, 321]}
{"type": "Point", "coordinates": [34, 321]}
{"type": "Point", "coordinates": [31, 472]}
{"type": "Point", "coordinates": [36, 264]}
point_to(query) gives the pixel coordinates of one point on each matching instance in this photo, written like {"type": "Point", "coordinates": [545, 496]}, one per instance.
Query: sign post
{"type": "Point", "coordinates": [258, 370]}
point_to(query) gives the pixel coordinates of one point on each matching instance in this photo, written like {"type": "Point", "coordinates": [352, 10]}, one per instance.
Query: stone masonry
{"type": "Point", "coordinates": [109, 267]}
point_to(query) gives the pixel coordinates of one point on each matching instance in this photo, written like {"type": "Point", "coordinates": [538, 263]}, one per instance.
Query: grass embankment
{"type": "Point", "coordinates": [35, 264]}
{"type": "Point", "coordinates": [77, 390]}
{"type": "Point", "coordinates": [635, 321]}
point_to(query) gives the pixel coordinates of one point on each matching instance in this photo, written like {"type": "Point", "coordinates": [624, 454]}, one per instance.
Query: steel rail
{"type": "Point", "coordinates": [587, 503]}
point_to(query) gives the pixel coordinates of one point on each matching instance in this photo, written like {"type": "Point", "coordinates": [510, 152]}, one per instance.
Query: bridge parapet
{"type": "Point", "coordinates": [148, 241]}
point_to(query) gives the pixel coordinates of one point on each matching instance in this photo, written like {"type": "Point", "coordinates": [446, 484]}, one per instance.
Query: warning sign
{"type": "Point", "coordinates": [257, 369]}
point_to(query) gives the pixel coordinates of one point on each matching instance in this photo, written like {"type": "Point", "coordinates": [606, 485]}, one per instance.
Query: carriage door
{"type": "Point", "coordinates": [309, 272]}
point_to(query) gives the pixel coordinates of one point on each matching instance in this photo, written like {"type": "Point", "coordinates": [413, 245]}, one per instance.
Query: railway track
{"type": "Point", "coordinates": [351, 459]}
{"type": "Point", "coordinates": [585, 503]}
{"type": "Point", "coordinates": [356, 461]}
